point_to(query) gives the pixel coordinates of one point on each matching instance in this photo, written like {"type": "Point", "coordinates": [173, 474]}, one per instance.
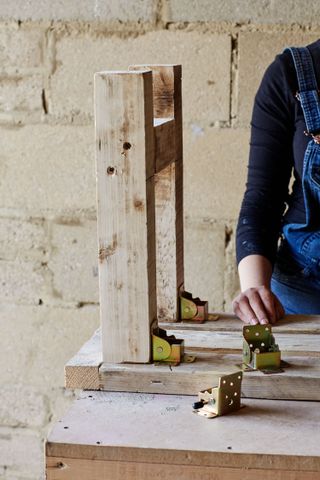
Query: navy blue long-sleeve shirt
{"type": "Point", "coordinates": [277, 146]}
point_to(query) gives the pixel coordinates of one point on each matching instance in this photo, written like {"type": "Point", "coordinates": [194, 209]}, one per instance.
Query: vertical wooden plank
{"type": "Point", "coordinates": [167, 102]}
{"type": "Point", "coordinates": [179, 176]}
{"type": "Point", "coordinates": [126, 221]}
{"type": "Point", "coordinates": [166, 243]}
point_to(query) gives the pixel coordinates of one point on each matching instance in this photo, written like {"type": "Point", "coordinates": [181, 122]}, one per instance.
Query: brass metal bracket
{"type": "Point", "coordinates": [220, 400]}
{"type": "Point", "coordinates": [191, 308]}
{"type": "Point", "coordinates": [260, 352]}
{"type": "Point", "coordinates": [166, 348]}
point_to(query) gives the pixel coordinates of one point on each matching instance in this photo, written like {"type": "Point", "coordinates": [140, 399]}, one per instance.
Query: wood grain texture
{"type": "Point", "coordinates": [126, 213]}
{"type": "Point", "coordinates": [83, 368]}
{"type": "Point", "coordinates": [59, 468]}
{"type": "Point", "coordinates": [230, 323]}
{"type": "Point", "coordinates": [138, 434]}
{"type": "Point", "coordinates": [299, 381]}
{"type": "Point", "coordinates": [167, 102]}
{"type": "Point", "coordinates": [222, 351]}
{"type": "Point", "coordinates": [164, 131]}
{"type": "Point", "coordinates": [167, 286]}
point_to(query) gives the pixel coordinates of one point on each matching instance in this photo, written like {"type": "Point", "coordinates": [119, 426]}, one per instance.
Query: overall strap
{"type": "Point", "coordinates": [308, 89]}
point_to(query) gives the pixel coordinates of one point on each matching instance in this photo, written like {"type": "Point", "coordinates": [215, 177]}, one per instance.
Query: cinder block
{"type": "Point", "coordinates": [256, 51]}
{"type": "Point", "coordinates": [82, 10]}
{"type": "Point", "coordinates": [21, 93]}
{"type": "Point", "coordinates": [294, 11]}
{"type": "Point", "coordinates": [21, 450]}
{"type": "Point", "coordinates": [40, 340]}
{"type": "Point", "coordinates": [74, 260]}
{"type": "Point", "coordinates": [22, 406]}
{"type": "Point", "coordinates": [251, 11]}
{"type": "Point", "coordinates": [215, 169]}
{"type": "Point", "coordinates": [54, 169]}
{"type": "Point", "coordinates": [231, 277]}
{"type": "Point", "coordinates": [21, 282]}
{"type": "Point", "coordinates": [205, 60]}
{"type": "Point", "coordinates": [204, 261]}
{"type": "Point", "coordinates": [216, 11]}
{"type": "Point", "coordinates": [21, 48]}
{"type": "Point", "coordinates": [25, 238]}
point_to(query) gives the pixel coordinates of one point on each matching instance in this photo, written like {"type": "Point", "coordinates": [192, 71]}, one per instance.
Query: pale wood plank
{"type": "Point", "coordinates": [230, 323]}
{"type": "Point", "coordinates": [169, 184]}
{"type": "Point", "coordinates": [83, 368]}
{"type": "Point", "coordinates": [167, 286]}
{"type": "Point", "coordinates": [232, 341]}
{"type": "Point", "coordinates": [59, 468]}
{"type": "Point", "coordinates": [299, 381]}
{"type": "Point", "coordinates": [161, 429]}
{"type": "Point", "coordinates": [126, 223]}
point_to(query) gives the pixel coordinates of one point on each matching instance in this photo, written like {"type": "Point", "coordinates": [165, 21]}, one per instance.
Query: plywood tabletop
{"type": "Point", "coordinates": [162, 428]}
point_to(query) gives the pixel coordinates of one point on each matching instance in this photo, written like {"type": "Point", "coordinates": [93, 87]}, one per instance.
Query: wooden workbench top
{"type": "Point", "coordinates": [131, 436]}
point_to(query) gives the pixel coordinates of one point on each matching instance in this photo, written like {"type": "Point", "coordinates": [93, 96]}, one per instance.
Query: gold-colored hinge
{"type": "Point", "coordinates": [220, 400]}
{"type": "Point", "coordinates": [260, 352]}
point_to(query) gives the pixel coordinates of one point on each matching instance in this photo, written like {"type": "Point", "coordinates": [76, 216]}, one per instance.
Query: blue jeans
{"type": "Point", "coordinates": [296, 283]}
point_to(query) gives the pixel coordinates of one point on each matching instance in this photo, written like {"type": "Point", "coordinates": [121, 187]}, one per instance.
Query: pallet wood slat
{"type": "Point", "coordinates": [300, 381]}
{"type": "Point", "coordinates": [230, 323]}
{"type": "Point", "coordinates": [126, 222]}
{"type": "Point", "coordinates": [83, 368]}
{"type": "Point", "coordinates": [167, 102]}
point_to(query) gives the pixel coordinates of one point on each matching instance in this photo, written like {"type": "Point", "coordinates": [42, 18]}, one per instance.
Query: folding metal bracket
{"type": "Point", "coordinates": [166, 348]}
{"type": "Point", "coordinates": [191, 308]}
{"type": "Point", "coordinates": [260, 352]}
{"type": "Point", "coordinates": [220, 400]}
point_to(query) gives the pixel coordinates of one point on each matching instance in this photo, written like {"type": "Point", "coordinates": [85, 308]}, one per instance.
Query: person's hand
{"type": "Point", "coordinates": [258, 305]}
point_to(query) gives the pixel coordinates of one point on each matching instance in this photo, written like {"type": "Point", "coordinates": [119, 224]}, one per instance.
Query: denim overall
{"type": "Point", "coordinates": [296, 275]}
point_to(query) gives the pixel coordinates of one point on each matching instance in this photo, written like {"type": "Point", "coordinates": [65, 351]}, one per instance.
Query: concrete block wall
{"type": "Point", "coordinates": [49, 51]}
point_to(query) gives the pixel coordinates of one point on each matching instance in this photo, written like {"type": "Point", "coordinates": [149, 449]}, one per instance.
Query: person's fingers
{"type": "Point", "coordinates": [243, 310]}
{"type": "Point", "coordinates": [258, 307]}
{"type": "Point", "coordinates": [269, 304]}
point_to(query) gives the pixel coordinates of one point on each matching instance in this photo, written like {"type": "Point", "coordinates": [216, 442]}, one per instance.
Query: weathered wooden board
{"type": "Point", "coordinates": [139, 436]}
{"type": "Point", "coordinates": [83, 368]}
{"type": "Point", "coordinates": [299, 381]}
{"type": "Point", "coordinates": [230, 323]}
{"type": "Point", "coordinates": [125, 165]}
{"type": "Point", "coordinates": [167, 103]}
{"type": "Point", "coordinates": [222, 352]}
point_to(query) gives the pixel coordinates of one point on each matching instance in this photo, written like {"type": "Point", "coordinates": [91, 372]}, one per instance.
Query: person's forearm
{"type": "Point", "coordinates": [254, 271]}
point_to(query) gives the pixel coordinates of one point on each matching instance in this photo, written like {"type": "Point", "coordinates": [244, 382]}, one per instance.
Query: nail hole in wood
{"type": "Point", "coordinates": [126, 145]}
{"type": "Point", "coordinates": [111, 170]}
